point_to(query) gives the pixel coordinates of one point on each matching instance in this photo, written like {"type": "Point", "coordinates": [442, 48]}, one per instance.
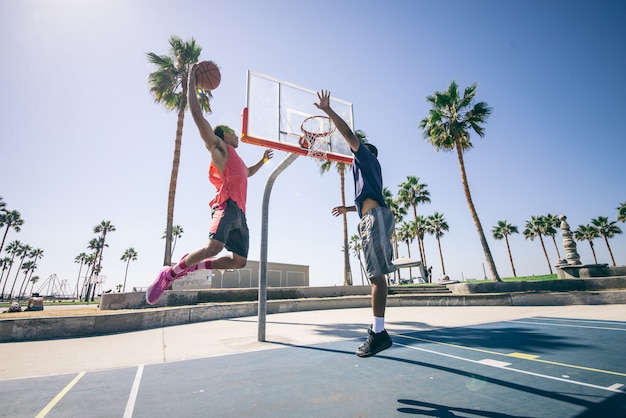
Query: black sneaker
{"type": "Point", "coordinates": [374, 344]}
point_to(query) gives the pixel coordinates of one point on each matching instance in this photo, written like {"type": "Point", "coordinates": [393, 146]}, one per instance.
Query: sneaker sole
{"type": "Point", "coordinates": [373, 353]}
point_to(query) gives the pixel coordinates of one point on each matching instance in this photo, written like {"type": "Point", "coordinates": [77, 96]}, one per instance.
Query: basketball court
{"type": "Point", "coordinates": [466, 362]}
{"type": "Point", "coordinates": [504, 361]}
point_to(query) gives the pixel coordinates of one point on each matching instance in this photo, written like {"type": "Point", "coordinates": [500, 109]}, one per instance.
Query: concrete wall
{"type": "Point", "coordinates": [569, 285]}
{"type": "Point", "coordinates": [29, 329]}
{"type": "Point", "coordinates": [136, 300]}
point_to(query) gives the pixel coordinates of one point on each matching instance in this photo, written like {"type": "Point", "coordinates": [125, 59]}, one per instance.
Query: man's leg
{"type": "Point", "coordinates": [169, 274]}
{"type": "Point", "coordinates": [379, 302]}
{"type": "Point", "coordinates": [377, 339]}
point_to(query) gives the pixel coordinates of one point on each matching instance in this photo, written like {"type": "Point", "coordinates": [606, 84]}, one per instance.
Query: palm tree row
{"type": "Point", "coordinates": [24, 254]}
{"type": "Point", "coordinates": [412, 193]}
{"type": "Point", "coordinates": [547, 225]}
{"type": "Point", "coordinates": [93, 261]}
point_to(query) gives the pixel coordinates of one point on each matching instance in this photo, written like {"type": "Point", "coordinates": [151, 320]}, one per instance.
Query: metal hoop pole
{"type": "Point", "coordinates": [264, 234]}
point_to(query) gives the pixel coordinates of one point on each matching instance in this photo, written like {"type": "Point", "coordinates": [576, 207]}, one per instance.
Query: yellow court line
{"type": "Point", "coordinates": [60, 396]}
{"type": "Point", "coordinates": [516, 355]}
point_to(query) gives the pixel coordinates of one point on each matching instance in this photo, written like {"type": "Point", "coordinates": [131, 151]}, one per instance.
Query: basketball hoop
{"type": "Point", "coordinates": [316, 131]}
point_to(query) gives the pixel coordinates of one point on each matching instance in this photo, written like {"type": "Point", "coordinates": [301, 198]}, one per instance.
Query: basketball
{"type": "Point", "coordinates": [208, 76]}
{"type": "Point", "coordinates": [303, 142]}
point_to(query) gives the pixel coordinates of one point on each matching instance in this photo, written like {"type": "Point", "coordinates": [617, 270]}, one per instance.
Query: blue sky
{"type": "Point", "coordinates": [83, 140]}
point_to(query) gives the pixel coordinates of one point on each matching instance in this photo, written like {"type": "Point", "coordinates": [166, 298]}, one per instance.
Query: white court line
{"type": "Point", "coordinates": [489, 364]}
{"type": "Point", "coordinates": [594, 321]}
{"type": "Point", "coordinates": [567, 326]}
{"type": "Point", "coordinates": [132, 397]}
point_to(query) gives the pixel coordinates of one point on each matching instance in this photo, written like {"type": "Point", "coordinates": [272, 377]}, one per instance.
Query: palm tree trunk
{"type": "Point", "coordinates": [15, 280]}
{"type": "Point", "coordinates": [558, 254]}
{"type": "Point", "coordinates": [610, 252]}
{"type": "Point", "coordinates": [396, 273]}
{"type": "Point", "coordinates": [171, 196]}
{"type": "Point", "coordinates": [424, 262]}
{"type": "Point", "coordinates": [419, 243]}
{"type": "Point", "coordinates": [22, 287]}
{"type": "Point", "coordinates": [6, 279]}
{"type": "Point", "coordinates": [545, 253]}
{"type": "Point", "coordinates": [347, 278]}
{"type": "Point", "coordinates": [126, 275]}
{"type": "Point", "coordinates": [483, 241]}
{"type": "Point", "coordinates": [443, 268]}
{"type": "Point", "coordinates": [593, 251]}
{"type": "Point", "coordinates": [78, 279]}
{"type": "Point", "coordinates": [508, 248]}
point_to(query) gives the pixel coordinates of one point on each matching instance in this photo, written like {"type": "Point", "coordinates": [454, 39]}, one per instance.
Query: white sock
{"type": "Point", "coordinates": [378, 325]}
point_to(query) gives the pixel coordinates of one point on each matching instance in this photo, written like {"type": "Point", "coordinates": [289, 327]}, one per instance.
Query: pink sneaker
{"type": "Point", "coordinates": [159, 286]}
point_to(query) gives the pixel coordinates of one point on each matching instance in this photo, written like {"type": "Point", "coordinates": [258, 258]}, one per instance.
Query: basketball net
{"type": "Point", "coordinates": [316, 131]}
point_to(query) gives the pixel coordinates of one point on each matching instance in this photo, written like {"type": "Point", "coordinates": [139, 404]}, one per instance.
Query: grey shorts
{"type": "Point", "coordinates": [376, 231]}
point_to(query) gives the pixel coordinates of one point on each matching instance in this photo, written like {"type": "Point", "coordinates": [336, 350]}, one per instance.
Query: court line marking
{"type": "Point", "coordinates": [567, 326]}
{"type": "Point", "coordinates": [515, 355]}
{"type": "Point", "coordinates": [60, 396]}
{"type": "Point", "coordinates": [132, 397]}
{"type": "Point", "coordinates": [487, 363]}
{"type": "Point", "coordinates": [595, 321]}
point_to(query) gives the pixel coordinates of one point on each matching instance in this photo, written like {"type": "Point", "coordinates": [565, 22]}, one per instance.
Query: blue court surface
{"type": "Point", "coordinates": [532, 367]}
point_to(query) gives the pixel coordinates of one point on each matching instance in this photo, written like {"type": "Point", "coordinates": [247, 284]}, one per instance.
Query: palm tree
{"type": "Point", "coordinates": [535, 228]}
{"type": "Point", "coordinates": [437, 225]}
{"type": "Point", "coordinates": [168, 85]}
{"type": "Point", "coordinates": [34, 255]}
{"type": "Point", "coordinates": [398, 213]}
{"type": "Point", "coordinates": [621, 212]}
{"type": "Point", "coordinates": [177, 232]}
{"type": "Point", "coordinates": [3, 205]}
{"type": "Point", "coordinates": [504, 230]}
{"type": "Point", "coordinates": [607, 229]}
{"type": "Point", "coordinates": [13, 248]}
{"type": "Point", "coordinates": [33, 280]}
{"type": "Point", "coordinates": [96, 245]}
{"type": "Point", "coordinates": [447, 128]}
{"type": "Point", "coordinates": [421, 227]}
{"type": "Point", "coordinates": [589, 233]}
{"type": "Point", "coordinates": [27, 267]}
{"type": "Point", "coordinates": [103, 228]}
{"type": "Point", "coordinates": [22, 253]}
{"type": "Point", "coordinates": [552, 225]}
{"type": "Point", "coordinates": [80, 258]}
{"type": "Point", "coordinates": [411, 194]}
{"type": "Point", "coordinates": [355, 245]}
{"type": "Point", "coordinates": [406, 233]}
{"type": "Point", "coordinates": [12, 220]}
{"type": "Point", "coordinates": [5, 264]}
{"type": "Point", "coordinates": [90, 262]}
{"type": "Point", "coordinates": [129, 255]}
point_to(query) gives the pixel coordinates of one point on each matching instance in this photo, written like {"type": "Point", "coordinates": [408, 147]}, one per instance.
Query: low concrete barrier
{"type": "Point", "coordinates": [43, 328]}
{"type": "Point", "coordinates": [568, 285]}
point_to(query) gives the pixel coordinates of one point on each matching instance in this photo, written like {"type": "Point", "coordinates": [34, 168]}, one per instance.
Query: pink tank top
{"type": "Point", "coordinates": [232, 183]}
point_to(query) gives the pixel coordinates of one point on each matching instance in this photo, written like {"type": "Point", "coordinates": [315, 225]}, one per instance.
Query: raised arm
{"type": "Point", "coordinates": [341, 124]}
{"type": "Point", "coordinates": [218, 150]}
{"type": "Point", "coordinates": [267, 155]}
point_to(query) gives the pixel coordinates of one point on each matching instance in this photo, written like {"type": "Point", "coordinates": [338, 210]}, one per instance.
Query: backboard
{"type": "Point", "coordinates": [275, 111]}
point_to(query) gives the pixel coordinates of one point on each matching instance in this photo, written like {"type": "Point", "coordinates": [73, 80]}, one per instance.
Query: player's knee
{"type": "Point", "coordinates": [240, 262]}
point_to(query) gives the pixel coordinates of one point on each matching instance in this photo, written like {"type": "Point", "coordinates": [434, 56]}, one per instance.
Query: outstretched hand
{"type": "Point", "coordinates": [324, 96]}
{"type": "Point", "coordinates": [338, 210]}
{"type": "Point", "coordinates": [268, 154]}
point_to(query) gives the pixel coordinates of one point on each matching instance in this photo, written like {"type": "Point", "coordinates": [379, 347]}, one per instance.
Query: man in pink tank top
{"type": "Point", "coordinates": [229, 174]}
